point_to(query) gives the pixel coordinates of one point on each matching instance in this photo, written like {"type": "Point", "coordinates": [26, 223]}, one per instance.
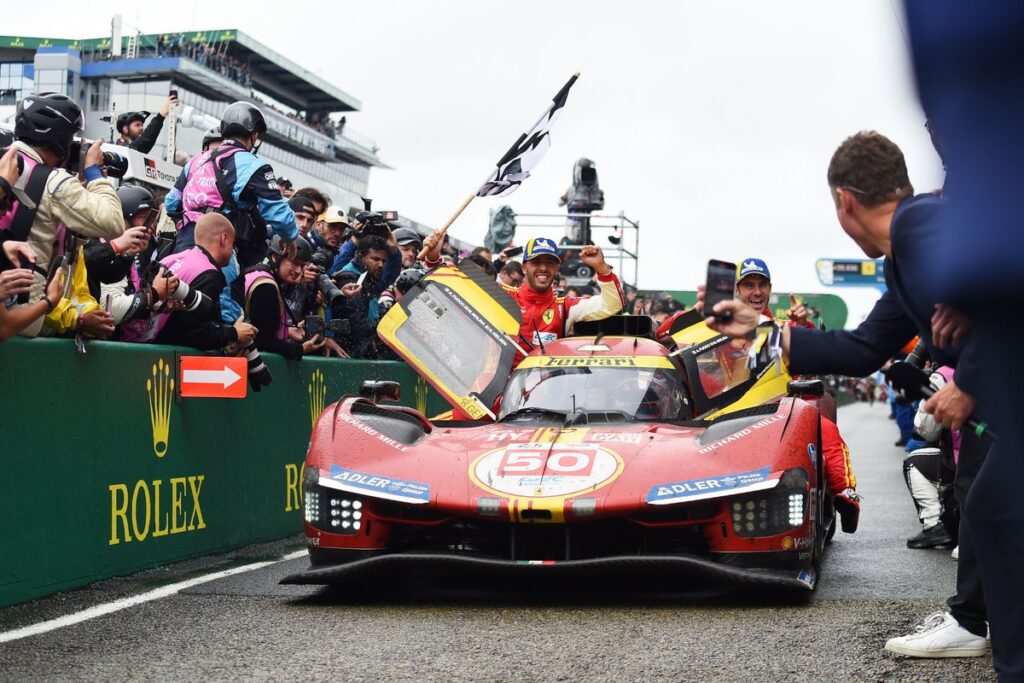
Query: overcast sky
{"type": "Point", "coordinates": [710, 123]}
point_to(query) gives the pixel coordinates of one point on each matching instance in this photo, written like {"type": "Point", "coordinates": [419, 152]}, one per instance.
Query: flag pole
{"type": "Point", "coordinates": [514, 150]}
{"type": "Point", "coordinates": [444, 229]}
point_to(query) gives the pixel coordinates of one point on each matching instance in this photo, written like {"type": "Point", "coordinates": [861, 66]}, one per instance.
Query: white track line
{"type": "Point", "coordinates": [118, 605]}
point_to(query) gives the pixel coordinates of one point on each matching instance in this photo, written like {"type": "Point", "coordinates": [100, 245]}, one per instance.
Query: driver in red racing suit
{"type": "Point", "coordinates": [754, 288]}
{"type": "Point", "coordinates": [547, 317]}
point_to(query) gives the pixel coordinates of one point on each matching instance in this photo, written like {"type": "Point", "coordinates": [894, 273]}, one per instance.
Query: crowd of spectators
{"type": "Point", "coordinates": [318, 121]}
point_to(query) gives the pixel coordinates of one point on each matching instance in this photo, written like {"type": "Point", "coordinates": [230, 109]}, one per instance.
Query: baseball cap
{"type": "Point", "coordinates": [297, 204]}
{"type": "Point", "coordinates": [754, 266]}
{"type": "Point", "coordinates": [540, 246]}
{"type": "Point", "coordinates": [334, 214]}
{"type": "Point", "coordinates": [404, 236]}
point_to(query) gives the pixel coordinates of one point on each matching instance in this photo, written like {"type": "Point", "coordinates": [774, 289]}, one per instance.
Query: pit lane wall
{"type": "Point", "coordinates": [106, 472]}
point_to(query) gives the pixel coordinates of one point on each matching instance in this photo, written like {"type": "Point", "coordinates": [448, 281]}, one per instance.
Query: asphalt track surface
{"type": "Point", "coordinates": [249, 627]}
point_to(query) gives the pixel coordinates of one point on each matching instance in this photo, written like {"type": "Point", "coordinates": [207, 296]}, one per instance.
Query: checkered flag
{"type": "Point", "coordinates": [521, 158]}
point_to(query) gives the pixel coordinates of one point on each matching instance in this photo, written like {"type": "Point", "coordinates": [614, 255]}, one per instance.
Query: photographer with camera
{"type": "Point", "coordinates": [246, 192]}
{"type": "Point", "coordinates": [246, 189]}
{"type": "Point", "coordinates": [368, 223]}
{"type": "Point", "coordinates": [122, 272]}
{"type": "Point", "coordinates": [44, 128]}
{"type": "Point", "coordinates": [363, 310]}
{"type": "Point", "coordinates": [330, 229]}
{"type": "Point", "coordinates": [200, 281]}
{"type": "Point", "coordinates": [129, 126]}
{"type": "Point", "coordinates": [266, 307]}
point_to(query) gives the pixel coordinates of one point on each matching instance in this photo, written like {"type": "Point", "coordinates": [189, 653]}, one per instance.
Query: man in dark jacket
{"type": "Point", "coordinates": [132, 134]}
{"type": "Point", "coordinates": [875, 206]}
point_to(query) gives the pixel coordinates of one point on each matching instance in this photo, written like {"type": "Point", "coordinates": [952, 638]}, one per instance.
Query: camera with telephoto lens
{"type": "Point", "coordinates": [375, 222]}
{"type": "Point", "coordinates": [115, 165]}
{"type": "Point", "coordinates": [316, 326]}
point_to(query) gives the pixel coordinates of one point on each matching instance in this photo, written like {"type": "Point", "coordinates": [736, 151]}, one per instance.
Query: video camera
{"type": "Point", "coordinates": [114, 164]}
{"type": "Point", "coordinates": [317, 326]}
{"type": "Point", "coordinates": [375, 222]}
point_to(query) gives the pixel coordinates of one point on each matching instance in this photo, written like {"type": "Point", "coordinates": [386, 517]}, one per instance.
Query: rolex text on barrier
{"type": "Point", "coordinates": [141, 479]}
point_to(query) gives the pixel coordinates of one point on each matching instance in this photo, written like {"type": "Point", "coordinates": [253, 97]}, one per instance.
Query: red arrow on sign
{"type": "Point", "coordinates": [213, 377]}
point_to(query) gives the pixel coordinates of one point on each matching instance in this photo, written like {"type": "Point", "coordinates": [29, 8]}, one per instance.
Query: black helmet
{"type": "Point", "coordinates": [129, 116]}
{"type": "Point", "coordinates": [407, 279]}
{"type": "Point", "coordinates": [242, 119]}
{"type": "Point", "coordinates": [303, 252]}
{"type": "Point", "coordinates": [212, 135]}
{"type": "Point", "coordinates": [134, 199]}
{"type": "Point", "coordinates": [48, 119]}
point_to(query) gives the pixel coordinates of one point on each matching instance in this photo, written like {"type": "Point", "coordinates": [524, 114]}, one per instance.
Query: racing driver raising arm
{"type": "Point", "coordinates": [547, 317]}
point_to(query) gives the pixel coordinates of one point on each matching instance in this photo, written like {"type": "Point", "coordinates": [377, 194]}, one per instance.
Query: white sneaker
{"type": "Point", "coordinates": [939, 636]}
{"type": "Point", "coordinates": [956, 553]}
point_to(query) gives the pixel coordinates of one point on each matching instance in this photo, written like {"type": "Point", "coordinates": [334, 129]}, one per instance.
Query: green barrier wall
{"type": "Point", "coordinates": [106, 473]}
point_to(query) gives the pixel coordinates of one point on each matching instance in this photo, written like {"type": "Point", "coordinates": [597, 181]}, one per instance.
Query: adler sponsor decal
{"type": "Point", "coordinates": [711, 487]}
{"type": "Point", "coordinates": [378, 485]}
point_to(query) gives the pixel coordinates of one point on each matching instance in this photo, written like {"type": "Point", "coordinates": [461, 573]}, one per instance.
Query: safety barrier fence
{"type": "Point", "coordinates": [106, 471]}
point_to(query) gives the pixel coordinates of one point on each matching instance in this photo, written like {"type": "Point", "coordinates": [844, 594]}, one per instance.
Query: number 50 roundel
{"type": "Point", "coordinates": [542, 470]}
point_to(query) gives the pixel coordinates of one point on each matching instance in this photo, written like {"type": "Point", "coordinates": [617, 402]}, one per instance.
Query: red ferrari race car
{"type": "Point", "coordinates": [608, 451]}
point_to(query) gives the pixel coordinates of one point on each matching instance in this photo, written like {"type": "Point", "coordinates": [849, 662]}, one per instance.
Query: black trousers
{"type": "Point", "coordinates": [995, 504]}
{"type": "Point", "coordinates": [968, 605]}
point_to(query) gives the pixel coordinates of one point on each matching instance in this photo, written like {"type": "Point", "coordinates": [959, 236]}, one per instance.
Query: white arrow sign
{"type": "Point", "coordinates": [226, 377]}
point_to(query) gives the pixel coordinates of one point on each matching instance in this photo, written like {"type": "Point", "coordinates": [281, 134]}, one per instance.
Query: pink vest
{"type": "Point", "coordinates": [201, 193]}
{"type": "Point", "coordinates": [254, 276]}
{"type": "Point", "coordinates": [187, 265]}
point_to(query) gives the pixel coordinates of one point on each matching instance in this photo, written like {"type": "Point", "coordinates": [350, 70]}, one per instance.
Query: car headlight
{"type": "Point", "coordinates": [772, 512]}
{"type": "Point", "coordinates": [346, 513]}
{"type": "Point", "coordinates": [337, 512]}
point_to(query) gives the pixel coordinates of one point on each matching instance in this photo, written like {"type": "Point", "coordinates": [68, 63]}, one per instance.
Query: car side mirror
{"type": "Point", "coordinates": [380, 390]}
{"type": "Point", "coordinates": [803, 387]}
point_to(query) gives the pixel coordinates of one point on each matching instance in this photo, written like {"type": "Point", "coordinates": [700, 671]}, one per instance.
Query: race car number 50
{"type": "Point", "coordinates": [546, 470]}
{"type": "Point", "coordinates": [527, 463]}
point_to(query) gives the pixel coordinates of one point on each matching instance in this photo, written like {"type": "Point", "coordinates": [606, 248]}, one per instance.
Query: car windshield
{"type": "Point", "coordinates": [636, 393]}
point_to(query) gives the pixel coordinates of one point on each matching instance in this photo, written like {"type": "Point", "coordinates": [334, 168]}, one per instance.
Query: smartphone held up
{"type": "Point", "coordinates": [720, 286]}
